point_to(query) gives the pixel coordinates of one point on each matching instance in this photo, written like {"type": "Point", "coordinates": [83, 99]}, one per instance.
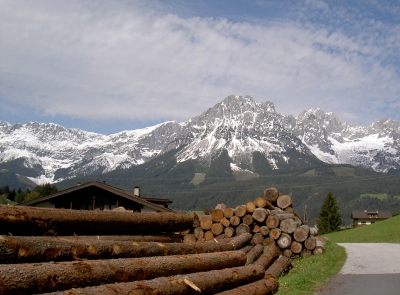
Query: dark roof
{"type": "Point", "coordinates": [366, 215]}
{"type": "Point", "coordinates": [108, 188]}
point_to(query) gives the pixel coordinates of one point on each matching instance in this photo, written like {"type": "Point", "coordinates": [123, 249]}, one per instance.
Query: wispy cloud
{"type": "Point", "coordinates": [106, 60]}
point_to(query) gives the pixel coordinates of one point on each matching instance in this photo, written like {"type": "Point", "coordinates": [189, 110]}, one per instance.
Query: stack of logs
{"type": "Point", "coordinates": [59, 251]}
{"type": "Point", "coordinates": [270, 219]}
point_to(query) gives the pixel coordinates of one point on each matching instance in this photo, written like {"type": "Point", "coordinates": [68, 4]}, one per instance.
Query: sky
{"type": "Point", "coordinates": [108, 66]}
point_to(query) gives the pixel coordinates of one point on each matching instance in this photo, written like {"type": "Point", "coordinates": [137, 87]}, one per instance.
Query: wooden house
{"type": "Point", "coordinates": [100, 196]}
{"type": "Point", "coordinates": [367, 218]}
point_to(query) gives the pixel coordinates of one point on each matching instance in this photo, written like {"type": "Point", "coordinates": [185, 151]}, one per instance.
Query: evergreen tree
{"type": "Point", "coordinates": [329, 218]}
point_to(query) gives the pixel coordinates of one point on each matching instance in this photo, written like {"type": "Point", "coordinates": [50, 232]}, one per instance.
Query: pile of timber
{"type": "Point", "coordinates": [269, 218]}
{"type": "Point", "coordinates": [60, 251]}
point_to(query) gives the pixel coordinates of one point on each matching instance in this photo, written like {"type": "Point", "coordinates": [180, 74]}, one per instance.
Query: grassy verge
{"type": "Point", "coordinates": [386, 231]}
{"type": "Point", "coordinates": [309, 275]}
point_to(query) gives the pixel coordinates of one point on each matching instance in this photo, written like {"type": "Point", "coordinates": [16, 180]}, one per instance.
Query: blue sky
{"type": "Point", "coordinates": [109, 66]}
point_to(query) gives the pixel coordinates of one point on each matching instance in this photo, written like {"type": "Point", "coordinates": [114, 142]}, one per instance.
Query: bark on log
{"type": "Point", "coordinates": [268, 241]}
{"type": "Point", "coordinates": [250, 207]}
{"type": "Point", "coordinates": [319, 248]}
{"type": "Point", "coordinates": [162, 238]}
{"type": "Point", "coordinates": [229, 232]}
{"type": "Point", "coordinates": [246, 249]}
{"type": "Point", "coordinates": [309, 243]}
{"type": "Point", "coordinates": [247, 219]}
{"type": "Point", "coordinates": [296, 247]}
{"type": "Point", "coordinates": [228, 213]}
{"type": "Point", "coordinates": [271, 252]}
{"type": "Point", "coordinates": [217, 228]}
{"type": "Point", "coordinates": [189, 239]}
{"type": "Point", "coordinates": [44, 249]}
{"type": "Point", "coordinates": [25, 220]}
{"type": "Point", "coordinates": [235, 220]}
{"type": "Point", "coordinates": [185, 232]}
{"type": "Point", "coordinates": [242, 228]}
{"type": "Point", "coordinates": [282, 216]}
{"type": "Point", "coordinates": [272, 221]}
{"type": "Point", "coordinates": [301, 233]}
{"type": "Point", "coordinates": [284, 241]}
{"type": "Point", "coordinates": [275, 233]}
{"type": "Point", "coordinates": [284, 201]}
{"type": "Point", "coordinates": [271, 194]}
{"type": "Point", "coordinates": [195, 283]}
{"type": "Point", "coordinates": [257, 239]}
{"type": "Point", "coordinates": [265, 286]}
{"type": "Point", "coordinates": [50, 277]}
{"type": "Point", "coordinates": [254, 254]}
{"type": "Point", "coordinates": [217, 215]}
{"type": "Point", "coordinates": [240, 211]}
{"type": "Point", "coordinates": [264, 230]}
{"type": "Point", "coordinates": [225, 222]}
{"type": "Point", "coordinates": [260, 214]}
{"type": "Point", "coordinates": [278, 267]}
{"type": "Point", "coordinates": [198, 232]}
{"type": "Point", "coordinates": [288, 226]}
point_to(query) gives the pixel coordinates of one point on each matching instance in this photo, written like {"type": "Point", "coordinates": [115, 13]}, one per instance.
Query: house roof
{"type": "Point", "coordinates": [366, 215]}
{"type": "Point", "coordinates": [117, 191]}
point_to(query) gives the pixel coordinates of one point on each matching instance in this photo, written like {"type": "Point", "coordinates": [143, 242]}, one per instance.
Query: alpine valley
{"type": "Point", "coordinates": [230, 153]}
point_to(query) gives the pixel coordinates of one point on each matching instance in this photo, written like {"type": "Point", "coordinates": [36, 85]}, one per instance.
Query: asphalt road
{"type": "Point", "coordinates": [370, 268]}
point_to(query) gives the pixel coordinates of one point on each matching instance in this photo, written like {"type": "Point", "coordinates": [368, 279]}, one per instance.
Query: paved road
{"type": "Point", "coordinates": [370, 268]}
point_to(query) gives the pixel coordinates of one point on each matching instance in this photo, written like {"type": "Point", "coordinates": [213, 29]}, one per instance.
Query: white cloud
{"type": "Point", "coordinates": [103, 61]}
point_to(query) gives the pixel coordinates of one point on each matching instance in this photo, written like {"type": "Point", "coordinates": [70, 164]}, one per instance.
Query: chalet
{"type": "Point", "coordinates": [96, 195]}
{"type": "Point", "coordinates": [367, 218]}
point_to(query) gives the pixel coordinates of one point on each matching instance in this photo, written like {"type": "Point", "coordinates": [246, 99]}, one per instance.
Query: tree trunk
{"type": "Point", "coordinates": [254, 254]}
{"type": "Point", "coordinates": [247, 219]}
{"type": "Point", "coordinates": [240, 211]}
{"type": "Point", "coordinates": [50, 277]}
{"type": "Point", "coordinates": [284, 201]}
{"type": "Point", "coordinates": [278, 267]}
{"type": "Point", "coordinates": [301, 233]}
{"type": "Point", "coordinates": [288, 226]}
{"type": "Point", "coordinates": [309, 243]}
{"type": "Point", "coordinates": [24, 220]}
{"type": "Point", "coordinates": [260, 214]}
{"type": "Point", "coordinates": [217, 215]}
{"type": "Point", "coordinates": [284, 241]}
{"type": "Point", "coordinates": [271, 195]}
{"type": "Point", "coordinates": [296, 247]}
{"type": "Point", "coordinates": [161, 238]}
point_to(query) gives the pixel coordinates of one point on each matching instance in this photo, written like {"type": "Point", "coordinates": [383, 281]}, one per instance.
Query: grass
{"type": "Point", "coordinates": [244, 175]}
{"type": "Point", "coordinates": [378, 196]}
{"type": "Point", "coordinates": [198, 178]}
{"type": "Point", "coordinates": [309, 275]}
{"type": "Point", "coordinates": [385, 231]}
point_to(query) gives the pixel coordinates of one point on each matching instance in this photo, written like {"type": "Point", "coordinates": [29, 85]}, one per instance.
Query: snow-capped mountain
{"type": "Point", "coordinates": [238, 124]}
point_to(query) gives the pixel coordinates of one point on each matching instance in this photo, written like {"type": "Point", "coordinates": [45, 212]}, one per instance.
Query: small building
{"type": "Point", "coordinates": [367, 218]}
{"type": "Point", "coordinates": [96, 195]}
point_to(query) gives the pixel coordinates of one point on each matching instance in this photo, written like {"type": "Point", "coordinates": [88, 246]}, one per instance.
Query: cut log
{"type": "Point", "coordinates": [239, 241]}
{"type": "Point", "coordinates": [255, 228]}
{"type": "Point", "coordinates": [185, 232]}
{"type": "Point", "coordinates": [196, 219]}
{"type": "Point", "coordinates": [282, 215]}
{"type": "Point", "coordinates": [217, 215]}
{"type": "Point", "coordinates": [271, 195]}
{"type": "Point", "coordinates": [288, 253]}
{"type": "Point", "coordinates": [310, 242]}
{"type": "Point", "coordinates": [288, 226]}
{"type": "Point", "coordinates": [260, 214]}
{"type": "Point", "coordinates": [228, 213]}
{"type": "Point", "coordinates": [25, 220]}
{"type": "Point", "coordinates": [275, 233]}
{"type": "Point", "coordinates": [272, 221]}
{"type": "Point", "coordinates": [50, 277]}
{"type": "Point", "coordinates": [225, 222]}
{"type": "Point", "coordinates": [290, 210]}
{"type": "Point", "coordinates": [284, 201]}
{"type": "Point", "coordinates": [278, 267]}
{"type": "Point", "coordinates": [221, 206]}
{"type": "Point", "coordinates": [296, 247]}
{"type": "Point", "coordinates": [229, 232]}
{"type": "Point", "coordinates": [322, 239]}
{"type": "Point", "coordinates": [305, 253]}
{"type": "Point", "coordinates": [194, 283]}
{"type": "Point", "coordinates": [217, 228]}
{"type": "Point", "coordinates": [265, 286]}
{"type": "Point", "coordinates": [268, 241]}
{"type": "Point", "coordinates": [208, 235]}
{"type": "Point", "coordinates": [264, 230]}
{"type": "Point", "coordinates": [250, 206]}
{"type": "Point", "coordinates": [284, 241]}
{"type": "Point", "coordinates": [257, 239]}
{"type": "Point", "coordinates": [235, 220]}
{"type": "Point", "coordinates": [198, 232]}
{"type": "Point", "coordinates": [240, 211]}
{"type": "Point", "coordinates": [319, 248]}
{"type": "Point", "coordinates": [242, 228]}
{"type": "Point", "coordinates": [301, 233]}
{"type": "Point", "coordinates": [189, 239]}
{"type": "Point", "coordinates": [260, 202]}
{"type": "Point", "coordinates": [314, 231]}
{"type": "Point", "coordinates": [254, 254]}
{"type": "Point", "coordinates": [247, 219]}
{"type": "Point", "coordinates": [206, 222]}
{"type": "Point", "coordinates": [271, 252]}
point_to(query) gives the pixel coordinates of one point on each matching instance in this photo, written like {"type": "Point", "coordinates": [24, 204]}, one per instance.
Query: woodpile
{"type": "Point", "coordinates": [238, 250]}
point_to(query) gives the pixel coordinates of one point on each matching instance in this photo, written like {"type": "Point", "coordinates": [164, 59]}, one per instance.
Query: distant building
{"type": "Point", "coordinates": [367, 218]}
{"type": "Point", "coordinates": [100, 196]}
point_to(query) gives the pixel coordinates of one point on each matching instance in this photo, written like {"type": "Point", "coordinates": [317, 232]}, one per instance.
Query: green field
{"type": "Point", "coordinates": [198, 178]}
{"type": "Point", "coordinates": [244, 175]}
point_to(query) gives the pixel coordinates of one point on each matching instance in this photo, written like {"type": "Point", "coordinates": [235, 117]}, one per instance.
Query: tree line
{"type": "Point", "coordinates": [12, 196]}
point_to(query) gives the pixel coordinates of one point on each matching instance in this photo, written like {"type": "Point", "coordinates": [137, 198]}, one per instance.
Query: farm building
{"type": "Point", "coordinates": [367, 218]}
{"type": "Point", "coordinates": [96, 195]}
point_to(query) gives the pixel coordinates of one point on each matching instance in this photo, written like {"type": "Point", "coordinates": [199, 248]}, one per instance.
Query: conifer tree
{"type": "Point", "coordinates": [329, 217]}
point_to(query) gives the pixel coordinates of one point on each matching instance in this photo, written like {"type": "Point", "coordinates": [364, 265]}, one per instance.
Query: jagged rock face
{"type": "Point", "coordinates": [238, 124]}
